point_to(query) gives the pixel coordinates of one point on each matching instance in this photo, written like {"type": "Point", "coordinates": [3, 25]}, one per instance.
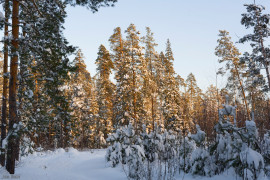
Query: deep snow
{"type": "Point", "coordinates": [75, 165]}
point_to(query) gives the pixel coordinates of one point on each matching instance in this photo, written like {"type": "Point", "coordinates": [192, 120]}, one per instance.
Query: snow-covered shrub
{"type": "Point", "coordinates": [201, 162]}
{"type": "Point", "coordinates": [100, 140]}
{"type": "Point", "coordinates": [253, 164]}
{"type": "Point", "coordinates": [226, 148]}
{"type": "Point", "coordinates": [187, 146]}
{"type": "Point", "coordinates": [115, 152]}
{"type": "Point", "coordinates": [199, 137]}
{"type": "Point", "coordinates": [159, 155]}
{"type": "Point", "coordinates": [27, 146]}
{"type": "Point", "coordinates": [169, 154]}
{"type": "Point", "coordinates": [135, 160]}
{"type": "Point", "coordinates": [126, 148]}
{"type": "Point", "coordinates": [237, 147]}
{"type": "Point", "coordinates": [153, 148]}
{"type": "Point", "coordinates": [266, 151]}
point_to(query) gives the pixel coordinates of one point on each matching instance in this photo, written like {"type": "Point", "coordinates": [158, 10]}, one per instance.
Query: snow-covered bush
{"type": "Point", "coordinates": [201, 162]}
{"type": "Point", "coordinates": [126, 148]}
{"type": "Point", "coordinates": [187, 146]}
{"type": "Point", "coordinates": [100, 140]}
{"type": "Point", "coordinates": [169, 154]}
{"type": "Point", "coordinates": [27, 146]}
{"type": "Point", "coordinates": [266, 151]}
{"type": "Point", "coordinates": [252, 163]}
{"type": "Point", "coordinates": [153, 148]}
{"type": "Point", "coordinates": [238, 148]}
{"type": "Point", "coordinates": [115, 152]}
{"type": "Point", "coordinates": [227, 147]}
{"type": "Point", "coordinates": [159, 155]}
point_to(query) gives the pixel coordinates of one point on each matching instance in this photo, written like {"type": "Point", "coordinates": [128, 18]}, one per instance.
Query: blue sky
{"type": "Point", "coordinates": [192, 27]}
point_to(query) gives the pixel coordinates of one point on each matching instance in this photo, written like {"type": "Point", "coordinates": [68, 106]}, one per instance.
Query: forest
{"type": "Point", "coordinates": [150, 121]}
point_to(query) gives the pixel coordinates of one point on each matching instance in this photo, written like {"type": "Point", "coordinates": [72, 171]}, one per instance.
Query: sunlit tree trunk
{"type": "Point", "coordinates": [13, 138]}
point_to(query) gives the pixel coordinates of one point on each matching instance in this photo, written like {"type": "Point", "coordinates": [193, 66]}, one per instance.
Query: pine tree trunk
{"type": "Point", "coordinates": [266, 63]}
{"type": "Point", "coordinates": [13, 139]}
{"type": "Point", "coordinates": [134, 92]}
{"type": "Point", "coordinates": [242, 88]}
{"type": "Point", "coordinates": [20, 96]}
{"type": "Point", "coordinates": [268, 113]}
{"type": "Point", "coordinates": [267, 74]}
{"type": "Point", "coordinates": [66, 135]}
{"type": "Point", "coordinates": [61, 133]}
{"type": "Point", "coordinates": [5, 81]}
{"type": "Point", "coordinates": [152, 98]}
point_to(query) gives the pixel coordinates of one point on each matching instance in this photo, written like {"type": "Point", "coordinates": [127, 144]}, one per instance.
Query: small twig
{"type": "Point", "coordinates": [37, 8]}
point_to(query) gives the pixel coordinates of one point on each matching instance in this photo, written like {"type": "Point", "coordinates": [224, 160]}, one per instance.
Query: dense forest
{"type": "Point", "coordinates": [136, 105]}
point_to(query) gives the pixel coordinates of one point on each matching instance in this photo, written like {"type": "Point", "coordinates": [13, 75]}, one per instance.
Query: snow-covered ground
{"type": "Point", "coordinates": [75, 165]}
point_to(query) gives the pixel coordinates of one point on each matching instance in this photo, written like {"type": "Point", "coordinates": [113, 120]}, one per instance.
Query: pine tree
{"type": "Point", "coordinates": [134, 57]}
{"type": "Point", "coordinates": [81, 92]}
{"type": "Point", "coordinates": [120, 106]}
{"type": "Point", "coordinates": [150, 83]}
{"type": "Point", "coordinates": [96, 136]}
{"type": "Point", "coordinates": [230, 54]}
{"type": "Point", "coordinates": [5, 84]}
{"type": "Point", "coordinates": [94, 5]}
{"type": "Point", "coordinates": [194, 98]}
{"type": "Point", "coordinates": [161, 82]}
{"type": "Point", "coordinates": [259, 22]}
{"type": "Point", "coordinates": [105, 91]}
{"type": "Point", "coordinates": [13, 139]}
{"type": "Point", "coordinates": [171, 91]}
{"type": "Point", "coordinates": [210, 98]}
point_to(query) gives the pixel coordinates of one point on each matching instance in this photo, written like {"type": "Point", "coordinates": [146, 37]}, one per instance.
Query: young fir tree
{"type": "Point", "coordinates": [105, 91]}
